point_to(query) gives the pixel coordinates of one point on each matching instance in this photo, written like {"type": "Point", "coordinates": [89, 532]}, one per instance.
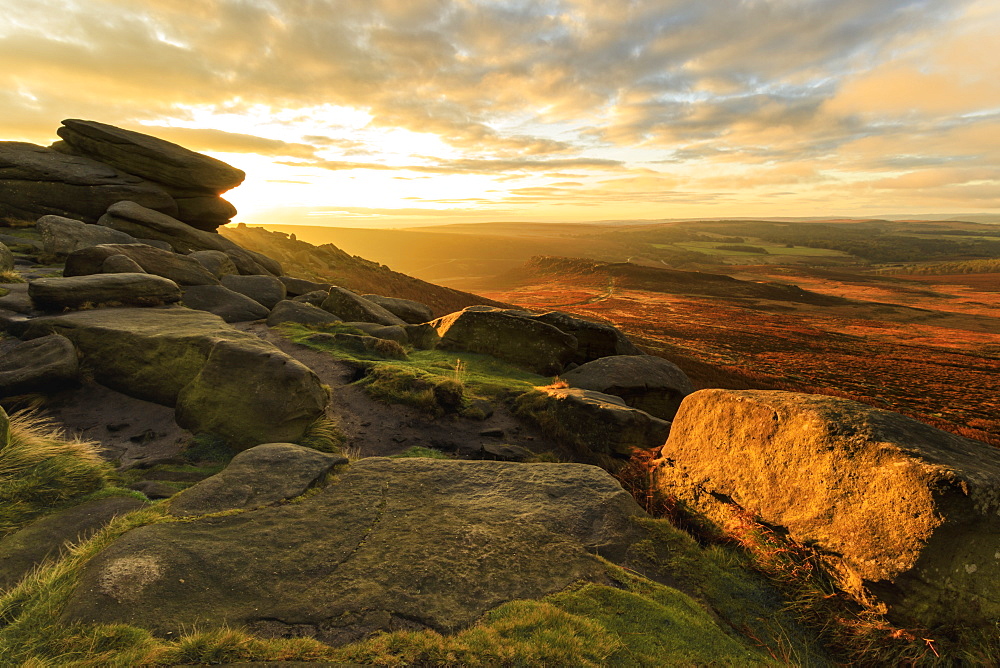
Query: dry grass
{"type": "Point", "coordinates": [41, 471]}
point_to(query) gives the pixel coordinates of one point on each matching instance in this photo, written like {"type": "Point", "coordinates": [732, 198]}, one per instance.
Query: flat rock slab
{"type": "Point", "coordinates": [46, 538]}
{"type": "Point", "coordinates": [150, 157]}
{"type": "Point", "coordinates": [43, 365]}
{"type": "Point", "coordinates": [260, 476]}
{"type": "Point", "coordinates": [36, 181]}
{"type": "Point", "coordinates": [56, 294]}
{"type": "Point", "coordinates": [407, 543]}
{"type": "Point", "coordinates": [649, 383]}
{"type": "Point", "coordinates": [178, 268]}
{"type": "Point", "coordinates": [909, 511]}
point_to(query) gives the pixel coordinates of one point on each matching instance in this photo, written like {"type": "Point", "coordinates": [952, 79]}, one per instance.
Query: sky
{"type": "Point", "coordinates": [399, 112]}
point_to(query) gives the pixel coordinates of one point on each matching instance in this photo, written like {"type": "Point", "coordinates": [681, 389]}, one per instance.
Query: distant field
{"type": "Point", "coordinates": [939, 362]}
{"type": "Point", "coordinates": [785, 254]}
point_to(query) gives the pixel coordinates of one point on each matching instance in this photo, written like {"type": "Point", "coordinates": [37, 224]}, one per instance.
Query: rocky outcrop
{"type": "Point", "coordinates": [56, 294]}
{"type": "Point", "coordinates": [388, 544]}
{"type": "Point", "coordinates": [507, 335]}
{"type": "Point", "coordinates": [407, 310]}
{"type": "Point", "coordinates": [61, 236]}
{"type": "Point", "coordinates": [265, 290]}
{"type": "Point", "coordinates": [149, 157]}
{"type": "Point", "coordinates": [45, 364]}
{"type": "Point", "coordinates": [651, 384]}
{"type": "Point", "coordinates": [305, 314]}
{"type": "Point", "coordinates": [594, 339]}
{"type": "Point", "coordinates": [594, 423]}
{"type": "Point", "coordinates": [260, 476]}
{"type": "Point", "coordinates": [221, 381]}
{"type": "Point", "coordinates": [178, 268]}
{"type": "Point", "coordinates": [896, 506]}
{"type": "Point", "coordinates": [193, 180]}
{"type": "Point", "coordinates": [216, 262]}
{"type": "Point", "coordinates": [350, 307]}
{"type": "Point", "coordinates": [249, 394]}
{"type": "Point", "coordinates": [36, 181]}
{"type": "Point", "coordinates": [46, 539]}
{"type": "Point", "coordinates": [223, 302]}
{"type": "Point", "coordinates": [141, 222]}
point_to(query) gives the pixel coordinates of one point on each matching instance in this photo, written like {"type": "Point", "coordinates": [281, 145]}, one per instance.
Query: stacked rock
{"type": "Point", "coordinates": [96, 165]}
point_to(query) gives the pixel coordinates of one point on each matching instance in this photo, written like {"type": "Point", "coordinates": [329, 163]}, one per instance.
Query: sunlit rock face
{"type": "Point", "coordinates": [191, 180]}
{"type": "Point", "coordinates": [906, 511]}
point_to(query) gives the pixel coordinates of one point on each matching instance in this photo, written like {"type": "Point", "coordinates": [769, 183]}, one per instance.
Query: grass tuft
{"type": "Point", "coordinates": [324, 434]}
{"type": "Point", "coordinates": [11, 276]}
{"type": "Point", "coordinates": [42, 471]}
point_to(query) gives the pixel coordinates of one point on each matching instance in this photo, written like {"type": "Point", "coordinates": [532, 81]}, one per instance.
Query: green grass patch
{"type": "Point", "coordinates": [420, 451]}
{"type": "Point", "coordinates": [42, 471]}
{"type": "Point", "coordinates": [433, 381]}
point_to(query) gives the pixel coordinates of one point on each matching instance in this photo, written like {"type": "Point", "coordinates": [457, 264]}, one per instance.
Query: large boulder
{"type": "Point", "coordinates": [61, 236]}
{"type": "Point", "coordinates": [593, 423]}
{"type": "Point", "coordinates": [265, 290]}
{"type": "Point", "coordinates": [407, 310]}
{"type": "Point", "coordinates": [594, 339]}
{"type": "Point", "coordinates": [178, 268]}
{"type": "Point", "coordinates": [387, 544]}
{"type": "Point", "coordinates": [507, 335]}
{"type": "Point", "coordinates": [142, 222]}
{"type": "Point", "coordinates": [58, 293]}
{"type": "Point", "coordinates": [145, 353]}
{"type": "Point", "coordinates": [222, 382]}
{"type": "Point", "coordinates": [251, 394]}
{"type": "Point", "coordinates": [47, 538]}
{"type": "Point", "coordinates": [260, 476]}
{"type": "Point", "coordinates": [149, 157]}
{"type": "Point", "coordinates": [305, 314]}
{"type": "Point", "coordinates": [295, 287]}
{"type": "Point", "coordinates": [907, 511]}
{"type": "Point", "coordinates": [350, 307]}
{"type": "Point", "coordinates": [229, 305]}
{"type": "Point", "coordinates": [36, 181]}
{"type": "Point", "coordinates": [651, 384]}
{"type": "Point", "coordinates": [42, 365]}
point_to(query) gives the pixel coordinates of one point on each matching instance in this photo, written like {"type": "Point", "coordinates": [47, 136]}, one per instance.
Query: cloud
{"type": "Point", "coordinates": [468, 165]}
{"type": "Point", "coordinates": [715, 94]}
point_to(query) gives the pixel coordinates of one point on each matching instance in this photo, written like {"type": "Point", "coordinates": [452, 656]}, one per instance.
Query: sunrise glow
{"type": "Point", "coordinates": [424, 112]}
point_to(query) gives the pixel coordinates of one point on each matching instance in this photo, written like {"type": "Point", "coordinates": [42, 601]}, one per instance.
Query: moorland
{"type": "Point", "coordinates": [898, 314]}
